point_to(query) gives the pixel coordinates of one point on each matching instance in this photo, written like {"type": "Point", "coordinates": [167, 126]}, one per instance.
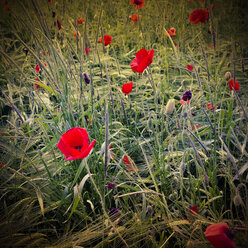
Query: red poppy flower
{"type": "Point", "coordinates": [80, 21]}
{"type": "Point", "coordinates": [190, 67]}
{"type": "Point", "coordinates": [194, 210]}
{"type": "Point", "coordinates": [107, 40]}
{"type": "Point", "coordinates": [74, 144]}
{"type": "Point", "coordinates": [231, 85]}
{"type": "Point", "coordinates": [44, 63]}
{"type": "Point", "coordinates": [49, 1]}
{"type": "Point", "coordinates": [138, 3]}
{"type": "Point", "coordinates": [129, 163]}
{"type": "Point", "coordinates": [219, 236]}
{"type": "Point", "coordinates": [199, 15]}
{"type": "Point", "coordinates": [143, 59]}
{"type": "Point", "coordinates": [127, 88]}
{"type": "Point", "coordinates": [134, 18]}
{"type": "Point", "coordinates": [210, 106]}
{"type": "Point", "coordinates": [59, 24]}
{"type": "Point", "coordinates": [87, 50]}
{"type": "Point", "coordinates": [37, 68]}
{"type": "Point", "coordinates": [172, 32]}
{"type": "Point", "coordinates": [182, 102]}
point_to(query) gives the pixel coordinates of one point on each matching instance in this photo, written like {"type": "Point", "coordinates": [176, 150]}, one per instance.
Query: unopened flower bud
{"type": "Point", "coordinates": [228, 75]}
{"type": "Point", "coordinates": [237, 200]}
{"type": "Point", "coordinates": [170, 106]}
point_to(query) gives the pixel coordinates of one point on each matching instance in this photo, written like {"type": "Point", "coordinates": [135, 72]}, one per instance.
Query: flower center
{"type": "Point", "coordinates": [78, 148]}
{"type": "Point", "coordinates": [138, 2]}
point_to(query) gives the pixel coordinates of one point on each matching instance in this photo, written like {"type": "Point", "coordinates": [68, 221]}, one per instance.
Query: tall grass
{"type": "Point", "coordinates": [193, 156]}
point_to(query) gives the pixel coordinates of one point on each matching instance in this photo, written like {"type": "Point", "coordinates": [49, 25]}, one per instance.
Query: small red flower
{"type": "Point", "coordinates": [210, 106]}
{"type": "Point", "coordinates": [194, 210]}
{"type": "Point", "coordinates": [36, 86]}
{"type": "Point", "coordinates": [172, 32]}
{"type": "Point", "coordinates": [44, 63]}
{"type": "Point", "coordinates": [129, 163]}
{"type": "Point", "coordinates": [76, 35]}
{"type": "Point", "coordinates": [49, 1]}
{"type": "Point", "coordinates": [107, 40]}
{"type": "Point", "coordinates": [127, 88]}
{"type": "Point", "coordinates": [7, 8]}
{"type": "Point", "coordinates": [80, 21]}
{"type": "Point", "coordinates": [87, 50]}
{"type": "Point", "coordinates": [59, 24]}
{"type": "Point", "coordinates": [199, 15]}
{"type": "Point", "coordinates": [231, 85]}
{"type": "Point", "coordinates": [182, 102]}
{"type": "Point", "coordinates": [110, 185]}
{"type": "Point", "coordinates": [219, 235]}
{"type": "Point", "coordinates": [195, 125]}
{"type": "Point", "coordinates": [37, 68]}
{"type": "Point", "coordinates": [142, 60]}
{"type": "Point", "coordinates": [134, 18]}
{"type": "Point", "coordinates": [2, 164]}
{"type": "Point", "coordinates": [74, 144]}
{"type": "Point", "coordinates": [190, 67]}
{"type": "Point", "coordinates": [138, 3]}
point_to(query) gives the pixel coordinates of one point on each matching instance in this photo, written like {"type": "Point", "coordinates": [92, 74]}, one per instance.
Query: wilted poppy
{"type": "Point", "coordinates": [87, 50]}
{"type": "Point", "coordinates": [172, 32]}
{"type": "Point", "coordinates": [107, 40]}
{"type": "Point", "coordinates": [138, 3]}
{"type": "Point", "coordinates": [187, 95]}
{"type": "Point", "coordinates": [80, 21]}
{"type": "Point", "coordinates": [142, 60]}
{"type": "Point", "coordinates": [74, 144]}
{"type": "Point", "coordinates": [219, 235]}
{"type": "Point", "coordinates": [127, 88]}
{"type": "Point", "coordinates": [199, 15]}
{"type": "Point", "coordinates": [236, 86]}
{"type": "Point", "coordinates": [190, 67]}
{"type": "Point", "coordinates": [26, 50]}
{"type": "Point", "coordinates": [37, 68]}
{"type": "Point", "coordinates": [59, 24]}
{"type": "Point", "coordinates": [134, 18]}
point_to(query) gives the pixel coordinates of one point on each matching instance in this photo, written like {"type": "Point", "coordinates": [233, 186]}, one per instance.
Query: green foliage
{"type": "Point", "coordinates": [193, 156]}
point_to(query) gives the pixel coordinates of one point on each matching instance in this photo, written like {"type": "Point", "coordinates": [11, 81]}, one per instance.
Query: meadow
{"type": "Point", "coordinates": [124, 123]}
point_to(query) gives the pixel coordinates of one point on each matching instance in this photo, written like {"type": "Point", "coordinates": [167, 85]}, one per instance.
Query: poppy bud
{"type": "Point", "coordinates": [228, 75]}
{"type": "Point", "coordinates": [170, 106]}
{"type": "Point", "coordinates": [86, 78]}
{"type": "Point", "coordinates": [237, 200]}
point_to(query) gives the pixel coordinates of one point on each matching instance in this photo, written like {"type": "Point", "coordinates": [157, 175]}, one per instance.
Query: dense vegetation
{"type": "Point", "coordinates": [165, 165]}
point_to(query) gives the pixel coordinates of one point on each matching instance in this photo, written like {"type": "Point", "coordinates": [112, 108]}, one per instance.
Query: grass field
{"type": "Point", "coordinates": [124, 123]}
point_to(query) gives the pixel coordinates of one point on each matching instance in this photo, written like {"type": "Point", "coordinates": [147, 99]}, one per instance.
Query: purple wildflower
{"type": "Point", "coordinates": [86, 78]}
{"type": "Point", "coordinates": [187, 95]}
